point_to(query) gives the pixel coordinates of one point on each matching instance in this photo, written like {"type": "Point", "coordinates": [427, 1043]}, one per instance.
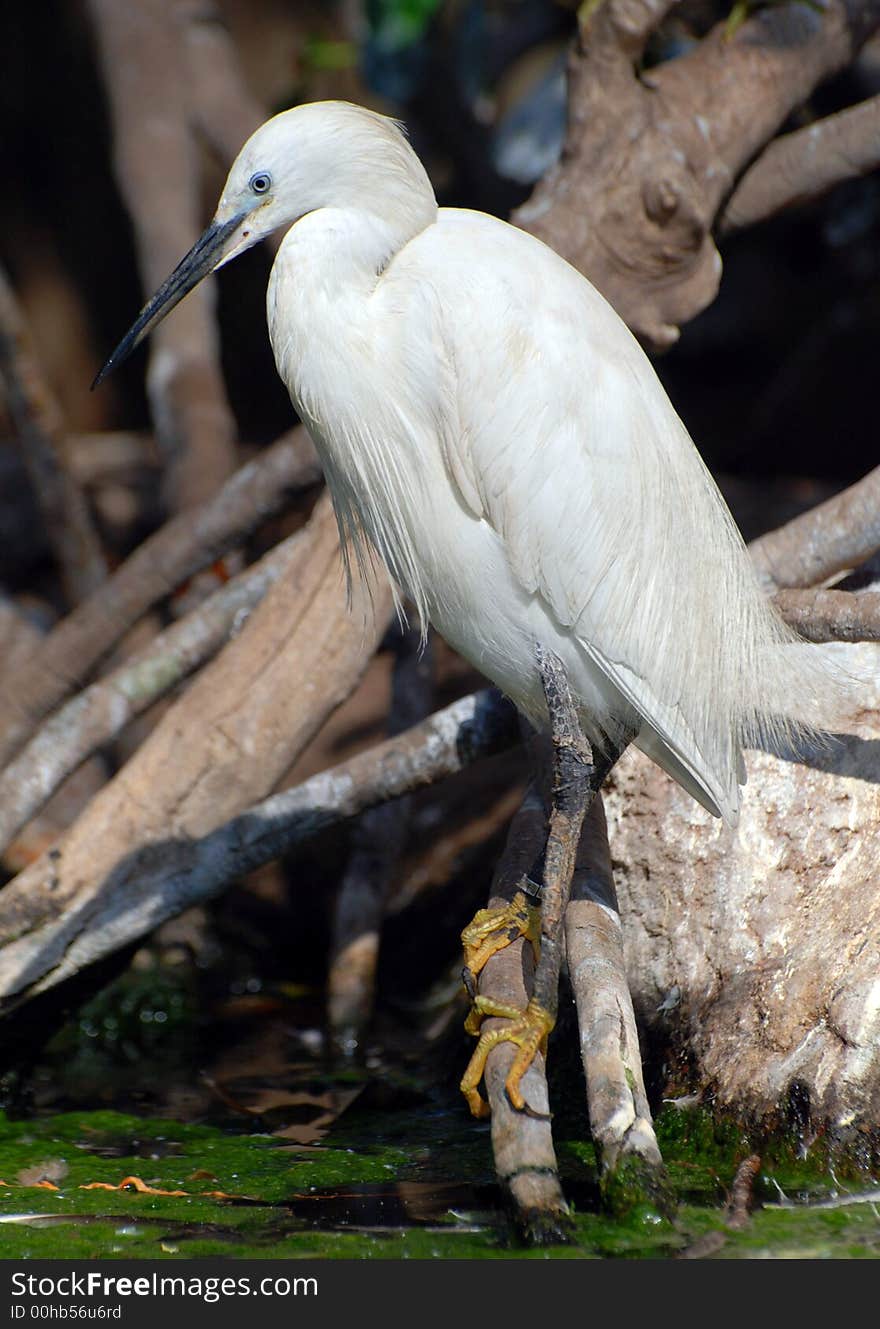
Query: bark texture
{"type": "Point", "coordinates": [225, 743]}
{"type": "Point", "coordinates": [48, 935]}
{"type": "Point", "coordinates": [183, 546]}
{"type": "Point", "coordinates": [652, 155]}
{"type": "Point", "coordinates": [757, 948]}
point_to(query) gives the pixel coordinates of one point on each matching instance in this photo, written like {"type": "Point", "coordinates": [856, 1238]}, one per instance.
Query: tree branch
{"type": "Point", "coordinates": [180, 548]}
{"type": "Point", "coordinates": [650, 156]}
{"type": "Point", "coordinates": [800, 167]}
{"type": "Point", "coordinates": [48, 940]}
{"type": "Point", "coordinates": [833, 537]}
{"type": "Point", "coordinates": [831, 615]}
{"type": "Point", "coordinates": [96, 716]}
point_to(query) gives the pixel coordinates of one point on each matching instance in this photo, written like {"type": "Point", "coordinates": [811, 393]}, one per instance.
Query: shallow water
{"type": "Point", "coordinates": [135, 1135]}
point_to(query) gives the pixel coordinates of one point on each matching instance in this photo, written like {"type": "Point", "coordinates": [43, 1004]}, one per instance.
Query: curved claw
{"type": "Point", "coordinates": [528, 1029]}
{"type": "Point", "coordinates": [491, 930]}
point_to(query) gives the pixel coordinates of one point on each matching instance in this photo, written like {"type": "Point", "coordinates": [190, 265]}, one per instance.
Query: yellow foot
{"type": "Point", "coordinates": [493, 929]}
{"type": "Point", "coordinates": [528, 1029]}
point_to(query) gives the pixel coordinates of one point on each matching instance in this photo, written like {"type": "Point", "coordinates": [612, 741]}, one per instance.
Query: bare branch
{"type": "Point", "coordinates": [833, 537]}
{"type": "Point", "coordinates": [242, 722]}
{"type": "Point", "coordinates": [377, 843]}
{"type": "Point", "coordinates": [97, 715]}
{"type": "Point", "coordinates": [19, 640]}
{"type": "Point", "coordinates": [831, 615]}
{"type": "Point", "coordinates": [182, 547]}
{"type": "Point", "coordinates": [47, 941]}
{"type": "Point", "coordinates": [37, 421]}
{"type": "Point", "coordinates": [799, 167]}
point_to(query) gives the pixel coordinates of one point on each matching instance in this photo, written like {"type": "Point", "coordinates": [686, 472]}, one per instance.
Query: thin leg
{"type": "Point", "coordinates": [576, 779]}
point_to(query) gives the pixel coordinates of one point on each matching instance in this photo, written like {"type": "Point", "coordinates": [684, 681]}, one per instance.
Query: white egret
{"type": "Point", "coordinates": [487, 422]}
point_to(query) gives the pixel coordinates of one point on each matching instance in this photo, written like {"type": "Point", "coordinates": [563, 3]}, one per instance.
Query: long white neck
{"type": "Point", "coordinates": [336, 349]}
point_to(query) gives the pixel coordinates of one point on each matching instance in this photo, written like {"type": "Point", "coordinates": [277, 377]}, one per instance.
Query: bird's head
{"type": "Point", "coordinates": [319, 155]}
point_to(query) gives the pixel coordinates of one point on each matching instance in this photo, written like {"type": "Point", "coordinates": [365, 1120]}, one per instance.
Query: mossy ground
{"type": "Point", "coordinates": [405, 1194]}
{"type": "Point", "coordinates": [379, 1161]}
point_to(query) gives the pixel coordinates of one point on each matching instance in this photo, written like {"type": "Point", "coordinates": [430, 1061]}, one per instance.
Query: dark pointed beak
{"type": "Point", "coordinates": [201, 260]}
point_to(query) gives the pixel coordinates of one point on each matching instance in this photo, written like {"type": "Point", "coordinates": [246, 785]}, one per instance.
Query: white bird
{"type": "Point", "coordinates": [490, 426]}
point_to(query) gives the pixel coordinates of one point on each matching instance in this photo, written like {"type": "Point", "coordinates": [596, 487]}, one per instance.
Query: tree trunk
{"type": "Point", "coordinates": [756, 949]}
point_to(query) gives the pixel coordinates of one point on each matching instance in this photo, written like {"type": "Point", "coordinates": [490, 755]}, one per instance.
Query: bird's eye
{"type": "Point", "coordinates": [260, 182]}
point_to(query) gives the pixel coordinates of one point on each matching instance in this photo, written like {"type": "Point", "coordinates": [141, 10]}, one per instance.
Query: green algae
{"type": "Point", "coordinates": [380, 1197]}
{"type": "Point", "coordinates": [401, 1171]}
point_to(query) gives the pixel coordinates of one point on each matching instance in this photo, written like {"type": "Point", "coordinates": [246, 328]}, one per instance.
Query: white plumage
{"type": "Point", "coordinates": [491, 427]}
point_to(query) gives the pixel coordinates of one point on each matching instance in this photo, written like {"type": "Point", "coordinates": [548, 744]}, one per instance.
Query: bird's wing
{"type": "Point", "coordinates": [561, 437]}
